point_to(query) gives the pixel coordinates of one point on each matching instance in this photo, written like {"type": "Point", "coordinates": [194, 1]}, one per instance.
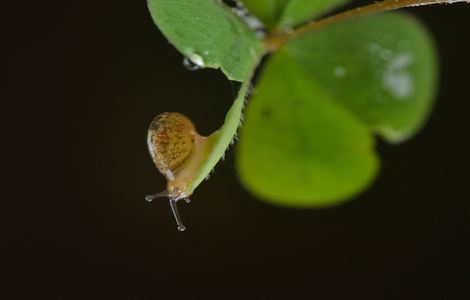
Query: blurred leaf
{"type": "Point", "coordinates": [209, 34]}
{"type": "Point", "coordinates": [382, 68]}
{"type": "Point", "coordinates": [299, 11]}
{"type": "Point", "coordinates": [267, 11]}
{"type": "Point", "coordinates": [298, 146]}
{"type": "Point", "coordinates": [288, 13]}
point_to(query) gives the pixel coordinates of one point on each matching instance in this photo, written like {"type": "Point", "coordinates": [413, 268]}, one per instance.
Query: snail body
{"type": "Point", "coordinates": [177, 151]}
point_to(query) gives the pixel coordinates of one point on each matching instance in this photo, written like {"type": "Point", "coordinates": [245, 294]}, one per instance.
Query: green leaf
{"type": "Point", "coordinates": [288, 13]}
{"type": "Point", "coordinates": [267, 11]}
{"type": "Point", "coordinates": [209, 34]}
{"type": "Point", "coordinates": [299, 11]}
{"type": "Point", "coordinates": [298, 146]}
{"type": "Point", "coordinates": [382, 68]}
{"type": "Point", "coordinates": [221, 139]}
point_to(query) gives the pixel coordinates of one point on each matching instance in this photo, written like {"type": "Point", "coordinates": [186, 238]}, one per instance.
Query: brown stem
{"type": "Point", "coordinates": [276, 40]}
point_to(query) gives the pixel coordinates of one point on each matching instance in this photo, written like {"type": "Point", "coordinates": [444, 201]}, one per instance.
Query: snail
{"type": "Point", "coordinates": [178, 152]}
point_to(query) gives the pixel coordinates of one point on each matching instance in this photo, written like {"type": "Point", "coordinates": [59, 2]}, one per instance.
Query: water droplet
{"type": "Point", "coordinates": [386, 54]}
{"type": "Point", "coordinates": [193, 63]}
{"type": "Point", "coordinates": [374, 47]}
{"type": "Point", "coordinates": [339, 72]}
{"type": "Point", "coordinates": [239, 10]}
{"type": "Point", "coordinates": [250, 20]}
{"type": "Point", "coordinates": [400, 61]}
{"type": "Point", "coordinates": [396, 78]}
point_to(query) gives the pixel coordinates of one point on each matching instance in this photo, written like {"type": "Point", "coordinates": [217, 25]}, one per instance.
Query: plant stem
{"type": "Point", "coordinates": [276, 40]}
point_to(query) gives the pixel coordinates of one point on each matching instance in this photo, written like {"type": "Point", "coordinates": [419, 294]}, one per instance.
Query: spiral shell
{"type": "Point", "coordinates": [171, 140]}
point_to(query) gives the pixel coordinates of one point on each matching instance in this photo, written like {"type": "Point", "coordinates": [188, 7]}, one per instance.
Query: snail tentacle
{"type": "Point", "coordinates": [149, 198]}
{"type": "Point", "coordinates": [174, 208]}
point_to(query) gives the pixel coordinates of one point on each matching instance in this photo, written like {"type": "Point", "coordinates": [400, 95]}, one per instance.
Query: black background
{"type": "Point", "coordinates": [83, 82]}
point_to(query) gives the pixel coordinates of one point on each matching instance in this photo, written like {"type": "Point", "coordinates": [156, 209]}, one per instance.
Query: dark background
{"type": "Point", "coordinates": [83, 81]}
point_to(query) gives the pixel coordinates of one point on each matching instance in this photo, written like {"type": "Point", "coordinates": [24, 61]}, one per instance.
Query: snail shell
{"type": "Point", "coordinates": [171, 141]}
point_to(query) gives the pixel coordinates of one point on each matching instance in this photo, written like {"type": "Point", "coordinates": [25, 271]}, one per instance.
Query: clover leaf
{"type": "Point", "coordinates": [327, 89]}
{"type": "Point", "coordinates": [298, 146]}
{"type": "Point", "coordinates": [288, 13]}
{"type": "Point", "coordinates": [382, 67]}
{"type": "Point", "coordinates": [209, 34]}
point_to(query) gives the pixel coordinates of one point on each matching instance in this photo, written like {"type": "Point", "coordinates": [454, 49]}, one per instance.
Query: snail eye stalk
{"type": "Point", "coordinates": [173, 204]}
{"type": "Point", "coordinates": [150, 198]}
{"type": "Point", "coordinates": [174, 208]}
